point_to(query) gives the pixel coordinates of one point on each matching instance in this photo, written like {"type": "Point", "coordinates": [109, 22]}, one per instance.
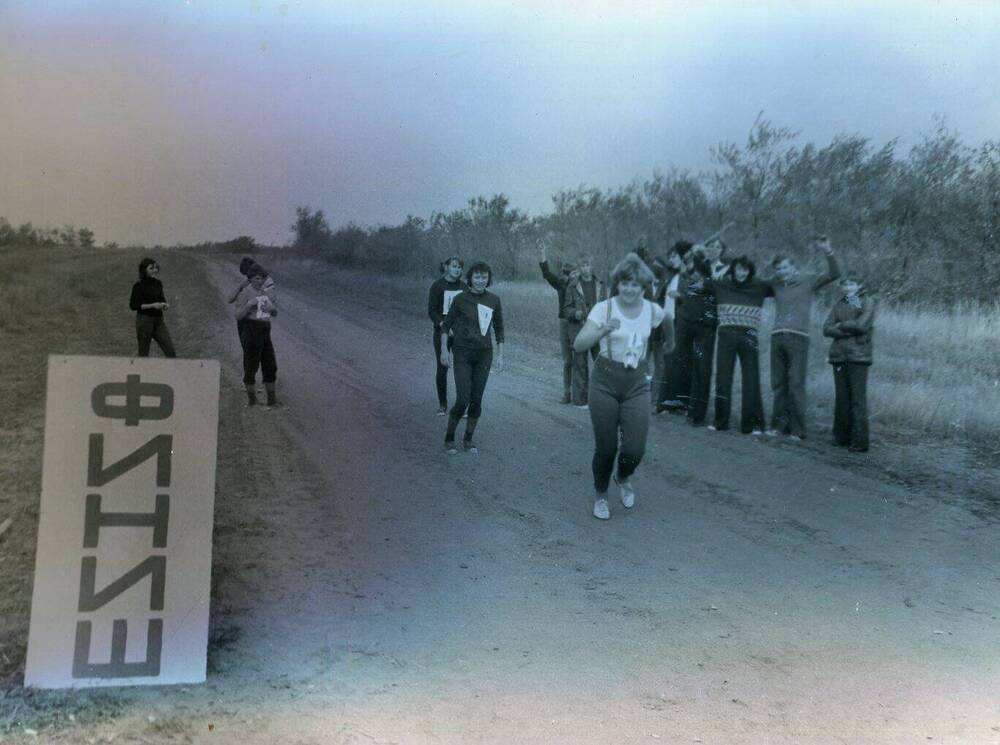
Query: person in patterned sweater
{"type": "Point", "coordinates": [739, 297]}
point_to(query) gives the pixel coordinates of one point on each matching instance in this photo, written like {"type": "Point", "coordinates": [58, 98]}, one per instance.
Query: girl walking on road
{"type": "Point", "coordinates": [442, 293]}
{"type": "Point", "coordinates": [619, 389]}
{"type": "Point", "coordinates": [471, 316]}
{"type": "Point", "coordinates": [255, 306]}
{"type": "Point", "coordinates": [850, 325]}
{"type": "Point", "coordinates": [149, 302]}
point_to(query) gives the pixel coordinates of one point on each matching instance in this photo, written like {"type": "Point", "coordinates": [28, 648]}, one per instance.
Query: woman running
{"type": "Point", "coordinates": [471, 316]}
{"type": "Point", "coordinates": [443, 291]}
{"type": "Point", "coordinates": [256, 306]}
{"type": "Point", "coordinates": [619, 389]}
{"type": "Point", "coordinates": [148, 302]}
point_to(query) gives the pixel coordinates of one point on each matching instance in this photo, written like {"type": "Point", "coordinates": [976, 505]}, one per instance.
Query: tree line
{"type": "Point", "coordinates": [921, 225]}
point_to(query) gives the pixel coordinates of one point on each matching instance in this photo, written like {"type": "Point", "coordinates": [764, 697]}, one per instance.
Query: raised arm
{"type": "Point", "coordinates": [832, 267]}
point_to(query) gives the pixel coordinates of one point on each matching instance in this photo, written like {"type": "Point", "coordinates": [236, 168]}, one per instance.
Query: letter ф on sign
{"type": "Point", "coordinates": [123, 565]}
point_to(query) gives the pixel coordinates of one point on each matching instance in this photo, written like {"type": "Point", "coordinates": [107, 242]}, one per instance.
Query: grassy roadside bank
{"type": "Point", "coordinates": [936, 375]}
{"type": "Point", "coordinates": [74, 301]}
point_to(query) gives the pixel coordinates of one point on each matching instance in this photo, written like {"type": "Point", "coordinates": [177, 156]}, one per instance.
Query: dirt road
{"type": "Point", "coordinates": [371, 589]}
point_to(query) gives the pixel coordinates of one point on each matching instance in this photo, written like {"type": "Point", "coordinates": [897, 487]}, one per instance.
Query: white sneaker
{"type": "Point", "coordinates": [583, 406]}
{"type": "Point", "coordinates": [756, 433]}
{"type": "Point", "coordinates": [772, 433]}
{"type": "Point", "coordinates": [794, 438]}
{"type": "Point", "coordinates": [601, 509]}
{"type": "Point", "coordinates": [628, 494]}
{"type": "Point", "coordinates": [711, 428]}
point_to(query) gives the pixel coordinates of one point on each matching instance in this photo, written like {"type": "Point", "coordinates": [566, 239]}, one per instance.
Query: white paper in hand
{"type": "Point", "coordinates": [485, 316]}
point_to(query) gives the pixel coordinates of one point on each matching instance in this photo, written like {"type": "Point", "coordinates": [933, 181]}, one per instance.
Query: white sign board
{"type": "Point", "coordinates": [123, 568]}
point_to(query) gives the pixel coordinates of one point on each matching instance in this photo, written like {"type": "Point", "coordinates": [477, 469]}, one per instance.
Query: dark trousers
{"type": "Point", "coordinates": [580, 377]}
{"type": "Point", "coordinates": [850, 408]}
{"type": "Point", "coordinates": [566, 349]}
{"type": "Point", "coordinates": [789, 359]}
{"type": "Point", "coordinates": [258, 352]}
{"type": "Point", "coordinates": [743, 344]}
{"type": "Point", "coordinates": [148, 328]}
{"type": "Point", "coordinates": [441, 377]}
{"type": "Point", "coordinates": [676, 377]}
{"type": "Point", "coordinates": [619, 412]}
{"type": "Point", "coordinates": [695, 351]}
{"type": "Point", "coordinates": [472, 370]}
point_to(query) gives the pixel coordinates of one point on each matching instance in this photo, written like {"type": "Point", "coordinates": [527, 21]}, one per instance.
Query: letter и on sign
{"type": "Point", "coordinates": [123, 565]}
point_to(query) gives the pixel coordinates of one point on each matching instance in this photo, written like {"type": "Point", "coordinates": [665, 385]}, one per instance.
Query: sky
{"type": "Point", "coordinates": [180, 121]}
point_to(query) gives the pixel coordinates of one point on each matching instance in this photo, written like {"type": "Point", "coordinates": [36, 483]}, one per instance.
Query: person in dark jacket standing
{"type": "Point", "coordinates": [471, 316]}
{"type": "Point", "coordinates": [851, 326]}
{"type": "Point", "coordinates": [558, 283]}
{"type": "Point", "coordinates": [794, 292]}
{"type": "Point", "coordinates": [696, 322]}
{"type": "Point", "coordinates": [149, 302]}
{"type": "Point", "coordinates": [257, 306]}
{"type": "Point", "coordinates": [247, 263]}
{"type": "Point", "coordinates": [675, 380]}
{"type": "Point", "coordinates": [739, 297]}
{"type": "Point", "coordinates": [443, 291]}
{"type": "Point", "coordinates": [574, 310]}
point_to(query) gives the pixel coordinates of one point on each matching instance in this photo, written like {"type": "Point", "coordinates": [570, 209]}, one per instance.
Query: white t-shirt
{"type": "Point", "coordinates": [630, 339]}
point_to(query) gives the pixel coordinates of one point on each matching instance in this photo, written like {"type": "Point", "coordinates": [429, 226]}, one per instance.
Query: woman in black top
{"type": "Point", "coordinates": [148, 302]}
{"type": "Point", "coordinates": [471, 316]}
{"type": "Point", "coordinates": [444, 290]}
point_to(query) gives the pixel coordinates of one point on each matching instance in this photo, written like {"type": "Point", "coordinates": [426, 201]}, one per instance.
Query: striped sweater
{"type": "Point", "coordinates": [739, 304]}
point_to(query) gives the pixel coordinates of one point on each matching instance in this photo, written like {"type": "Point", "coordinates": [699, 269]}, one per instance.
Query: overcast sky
{"type": "Point", "coordinates": [176, 121]}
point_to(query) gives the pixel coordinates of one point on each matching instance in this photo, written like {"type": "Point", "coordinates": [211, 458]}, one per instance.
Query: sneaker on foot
{"type": "Point", "coordinates": [711, 428]}
{"type": "Point", "coordinates": [601, 509]}
{"type": "Point", "coordinates": [582, 406]}
{"type": "Point", "coordinates": [449, 447]}
{"type": "Point", "coordinates": [469, 447]}
{"type": "Point", "coordinates": [772, 433]}
{"type": "Point", "coordinates": [628, 494]}
{"type": "Point", "coordinates": [794, 438]}
{"type": "Point", "coordinates": [443, 411]}
{"type": "Point", "coordinates": [756, 433]}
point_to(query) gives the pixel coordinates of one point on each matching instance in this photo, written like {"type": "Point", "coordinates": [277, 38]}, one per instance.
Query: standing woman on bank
{"type": "Point", "coordinates": [443, 292]}
{"type": "Point", "coordinates": [471, 316]}
{"type": "Point", "coordinates": [148, 302]}
{"type": "Point", "coordinates": [256, 306]}
{"type": "Point", "coordinates": [619, 389]}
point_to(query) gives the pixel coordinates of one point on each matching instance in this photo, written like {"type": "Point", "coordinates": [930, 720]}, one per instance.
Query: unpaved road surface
{"type": "Point", "coordinates": [370, 588]}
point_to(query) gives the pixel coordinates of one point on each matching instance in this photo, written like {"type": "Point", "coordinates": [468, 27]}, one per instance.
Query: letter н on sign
{"type": "Point", "coordinates": [123, 567]}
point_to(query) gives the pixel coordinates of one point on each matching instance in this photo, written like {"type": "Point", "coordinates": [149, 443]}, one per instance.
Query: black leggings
{"type": "Point", "coordinates": [472, 370]}
{"type": "Point", "coordinates": [258, 352]}
{"type": "Point", "coordinates": [441, 378]}
{"type": "Point", "coordinates": [619, 412]}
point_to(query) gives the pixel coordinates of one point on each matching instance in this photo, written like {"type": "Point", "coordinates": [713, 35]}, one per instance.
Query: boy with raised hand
{"type": "Point", "coordinates": [565, 340]}
{"type": "Point", "coordinates": [794, 291]}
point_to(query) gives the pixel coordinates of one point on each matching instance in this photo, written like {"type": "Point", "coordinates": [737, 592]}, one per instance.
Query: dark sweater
{"type": "Point", "coordinates": [739, 304]}
{"type": "Point", "coordinates": [558, 284]}
{"type": "Point", "coordinates": [435, 298]}
{"type": "Point", "coordinates": [697, 300]}
{"type": "Point", "coordinates": [145, 291]}
{"type": "Point", "coordinates": [463, 319]}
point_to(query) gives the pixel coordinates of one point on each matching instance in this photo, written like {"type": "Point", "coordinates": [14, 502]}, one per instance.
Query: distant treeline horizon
{"type": "Point", "coordinates": [922, 226]}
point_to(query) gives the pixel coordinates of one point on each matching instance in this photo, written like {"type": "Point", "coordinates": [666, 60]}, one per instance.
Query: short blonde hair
{"type": "Point", "coordinates": [634, 268]}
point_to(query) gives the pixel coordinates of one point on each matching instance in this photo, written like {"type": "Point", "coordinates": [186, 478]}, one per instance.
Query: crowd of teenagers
{"type": "Point", "coordinates": [650, 342]}
{"type": "Point", "coordinates": [256, 303]}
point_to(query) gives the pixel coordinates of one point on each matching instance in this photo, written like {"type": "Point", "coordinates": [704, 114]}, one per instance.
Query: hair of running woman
{"type": "Point", "coordinates": [245, 263]}
{"type": "Point", "coordinates": [447, 260]}
{"type": "Point", "coordinates": [147, 262]}
{"type": "Point", "coordinates": [746, 262]}
{"type": "Point", "coordinates": [255, 270]}
{"type": "Point", "coordinates": [479, 267]}
{"type": "Point", "coordinates": [681, 248]}
{"type": "Point", "coordinates": [631, 268]}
